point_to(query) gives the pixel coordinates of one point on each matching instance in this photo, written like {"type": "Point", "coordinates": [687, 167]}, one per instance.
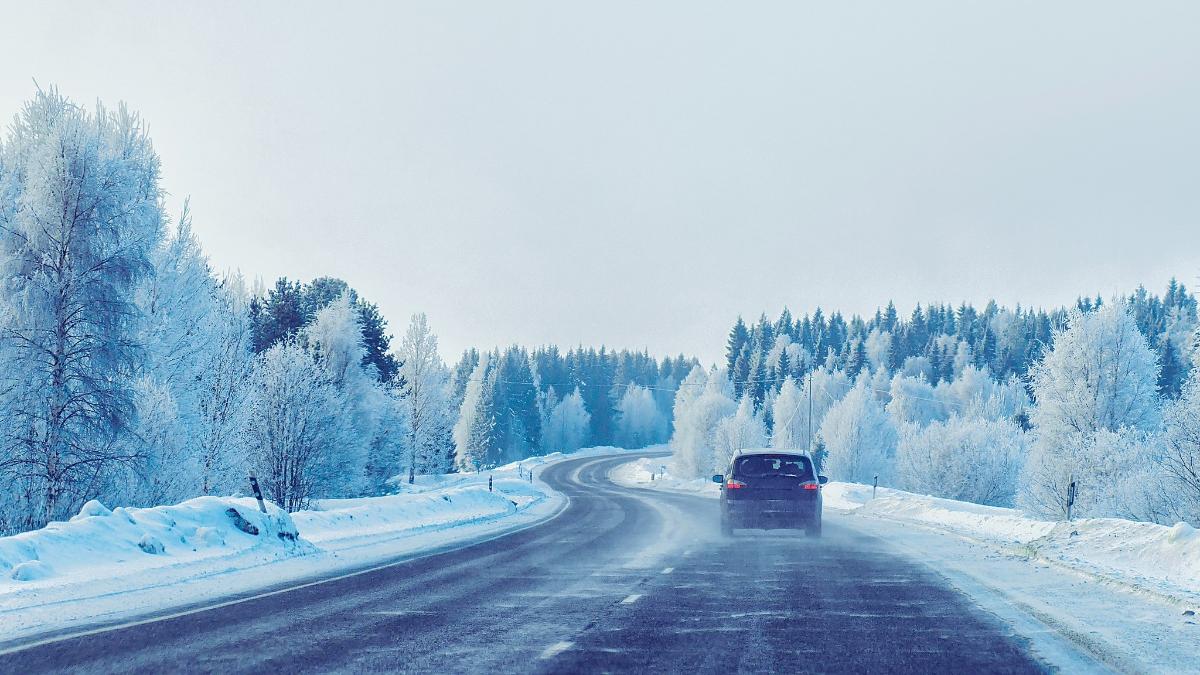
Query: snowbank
{"type": "Point", "coordinates": [660, 473]}
{"type": "Point", "coordinates": [1146, 556]}
{"type": "Point", "coordinates": [1142, 556]}
{"type": "Point", "coordinates": [121, 542]}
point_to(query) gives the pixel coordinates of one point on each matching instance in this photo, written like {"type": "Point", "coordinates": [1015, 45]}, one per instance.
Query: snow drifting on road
{"type": "Point", "coordinates": [1154, 558]}
{"type": "Point", "coordinates": [1127, 592]}
{"type": "Point", "coordinates": [109, 565]}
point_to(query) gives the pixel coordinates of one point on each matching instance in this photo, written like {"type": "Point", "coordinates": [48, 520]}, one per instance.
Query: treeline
{"type": "Point", "coordinates": [515, 402]}
{"type": "Point", "coordinates": [131, 373]}
{"type": "Point", "coordinates": [937, 341]}
{"type": "Point", "coordinates": [998, 407]}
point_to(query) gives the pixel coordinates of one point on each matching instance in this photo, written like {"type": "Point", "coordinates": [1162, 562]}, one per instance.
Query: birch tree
{"type": "Point", "coordinates": [80, 214]}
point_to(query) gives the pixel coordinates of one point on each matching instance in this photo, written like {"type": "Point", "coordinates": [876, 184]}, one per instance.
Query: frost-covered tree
{"type": "Point", "coordinates": [741, 431]}
{"type": "Point", "coordinates": [295, 427]}
{"type": "Point", "coordinates": [974, 393]}
{"type": "Point", "coordinates": [336, 344]}
{"type": "Point", "coordinates": [195, 337]}
{"type": "Point", "coordinates": [859, 436]}
{"type": "Point", "coordinates": [964, 458]}
{"type": "Point", "coordinates": [696, 421]}
{"type": "Point", "coordinates": [1100, 375]}
{"type": "Point", "coordinates": [474, 433]}
{"type": "Point", "coordinates": [1181, 458]}
{"type": "Point", "coordinates": [913, 401]}
{"type": "Point", "coordinates": [80, 215]}
{"type": "Point", "coordinates": [639, 420]}
{"type": "Point", "coordinates": [217, 433]}
{"type": "Point", "coordinates": [164, 471]}
{"type": "Point", "coordinates": [1096, 393]}
{"type": "Point", "coordinates": [427, 397]}
{"type": "Point", "coordinates": [566, 423]}
{"type": "Point", "coordinates": [787, 433]}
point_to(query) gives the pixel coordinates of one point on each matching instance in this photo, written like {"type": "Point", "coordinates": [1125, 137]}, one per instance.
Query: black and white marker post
{"type": "Point", "coordinates": [262, 506]}
{"type": "Point", "coordinates": [1070, 498]}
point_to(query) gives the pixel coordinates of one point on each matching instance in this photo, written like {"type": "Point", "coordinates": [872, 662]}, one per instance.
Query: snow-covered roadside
{"type": "Point", "coordinates": [109, 566]}
{"type": "Point", "coordinates": [1120, 589]}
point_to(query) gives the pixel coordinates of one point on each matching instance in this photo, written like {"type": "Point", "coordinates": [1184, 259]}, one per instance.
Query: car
{"type": "Point", "coordinates": [771, 489]}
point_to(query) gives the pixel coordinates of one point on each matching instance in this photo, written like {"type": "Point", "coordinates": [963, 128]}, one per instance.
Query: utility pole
{"type": "Point", "coordinates": [810, 410]}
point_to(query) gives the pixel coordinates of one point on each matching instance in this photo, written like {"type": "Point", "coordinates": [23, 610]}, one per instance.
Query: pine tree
{"type": "Point", "coordinates": [376, 342]}
{"type": "Point", "coordinates": [857, 359]}
{"type": "Point", "coordinates": [738, 337]}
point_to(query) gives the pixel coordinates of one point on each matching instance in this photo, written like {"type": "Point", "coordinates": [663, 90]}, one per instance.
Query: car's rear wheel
{"type": "Point", "coordinates": [813, 529]}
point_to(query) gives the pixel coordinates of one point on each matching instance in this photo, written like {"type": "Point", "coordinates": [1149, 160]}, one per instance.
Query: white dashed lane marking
{"type": "Point", "coordinates": [555, 649]}
{"type": "Point", "coordinates": [631, 599]}
{"type": "Point", "coordinates": [668, 570]}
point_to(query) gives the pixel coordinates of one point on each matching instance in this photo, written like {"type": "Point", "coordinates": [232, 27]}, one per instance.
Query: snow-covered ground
{"type": "Point", "coordinates": [113, 565]}
{"type": "Point", "coordinates": [1127, 592]}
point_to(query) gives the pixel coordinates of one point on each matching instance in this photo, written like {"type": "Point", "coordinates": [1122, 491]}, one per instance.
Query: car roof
{"type": "Point", "coordinates": [770, 451]}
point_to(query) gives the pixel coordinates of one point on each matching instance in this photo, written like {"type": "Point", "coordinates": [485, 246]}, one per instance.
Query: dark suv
{"type": "Point", "coordinates": [771, 489]}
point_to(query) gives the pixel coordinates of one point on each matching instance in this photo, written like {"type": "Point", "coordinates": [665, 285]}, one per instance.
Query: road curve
{"type": "Point", "coordinates": [622, 580]}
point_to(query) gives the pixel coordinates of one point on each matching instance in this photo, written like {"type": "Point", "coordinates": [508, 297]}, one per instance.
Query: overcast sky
{"type": "Point", "coordinates": [638, 174]}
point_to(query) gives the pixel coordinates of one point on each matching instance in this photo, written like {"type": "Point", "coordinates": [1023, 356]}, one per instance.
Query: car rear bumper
{"type": "Point", "coordinates": [770, 514]}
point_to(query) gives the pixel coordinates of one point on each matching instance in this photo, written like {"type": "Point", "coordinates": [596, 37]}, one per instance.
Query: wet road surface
{"type": "Point", "coordinates": [622, 580]}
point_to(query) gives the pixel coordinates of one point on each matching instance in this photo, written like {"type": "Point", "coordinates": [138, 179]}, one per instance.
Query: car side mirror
{"type": "Point", "coordinates": [822, 479]}
{"type": "Point", "coordinates": [718, 478]}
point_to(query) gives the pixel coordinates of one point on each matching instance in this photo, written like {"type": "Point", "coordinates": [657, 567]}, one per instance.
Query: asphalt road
{"type": "Point", "coordinates": [622, 580]}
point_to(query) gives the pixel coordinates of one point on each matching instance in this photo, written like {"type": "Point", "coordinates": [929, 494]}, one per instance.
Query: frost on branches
{"type": "Point", "coordinates": [860, 438]}
{"type": "Point", "coordinates": [1097, 411]}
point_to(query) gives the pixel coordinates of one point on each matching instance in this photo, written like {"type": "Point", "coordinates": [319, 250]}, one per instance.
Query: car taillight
{"type": "Point", "coordinates": [733, 484]}
{"type": "Point", "coordinates": [812, 486]}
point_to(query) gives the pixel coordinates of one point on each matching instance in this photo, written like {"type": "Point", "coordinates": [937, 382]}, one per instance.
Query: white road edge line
{"type": "Point", "coordinates": [555, 649]}
{"type": "Point", "coordinates": [631, 599]}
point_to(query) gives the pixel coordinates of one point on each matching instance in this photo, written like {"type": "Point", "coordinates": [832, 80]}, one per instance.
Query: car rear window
{"type": "Point", "coordinates": [761, 466]}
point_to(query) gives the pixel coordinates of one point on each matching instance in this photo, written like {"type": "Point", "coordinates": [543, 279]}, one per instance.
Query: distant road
{"type": "Point", "coordinates": [622, 580]}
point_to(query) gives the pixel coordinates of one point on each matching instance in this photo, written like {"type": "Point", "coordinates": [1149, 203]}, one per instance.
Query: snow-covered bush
{"type": "Point", "coordinates": [964, 458]}
{"type": "Point", "coordinates": [1115, 475]}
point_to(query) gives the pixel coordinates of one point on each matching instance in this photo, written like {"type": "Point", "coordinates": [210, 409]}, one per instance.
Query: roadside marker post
{"type": "Point", "coordinates": [874, 486]}
{"type": "Point", "coordinates": [489, 483]}
{"type": "Point", "coordinates": [1070, 497]}
{"type": "Point", "coordinates": [257, 493]}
